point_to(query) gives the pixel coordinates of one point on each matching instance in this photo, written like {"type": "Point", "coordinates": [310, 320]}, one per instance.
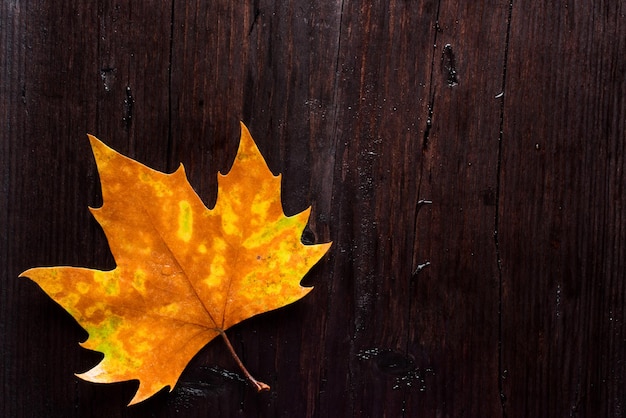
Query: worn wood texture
{"type": "Point", "coordinates": [509, 116]}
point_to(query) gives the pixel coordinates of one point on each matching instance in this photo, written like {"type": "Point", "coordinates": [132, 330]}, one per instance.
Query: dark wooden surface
{"type": "Point", "coordinates": [510, 116]}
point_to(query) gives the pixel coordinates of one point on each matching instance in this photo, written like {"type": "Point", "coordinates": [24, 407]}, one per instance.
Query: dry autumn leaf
{"type": "Point", "coordinates": [184, 273]}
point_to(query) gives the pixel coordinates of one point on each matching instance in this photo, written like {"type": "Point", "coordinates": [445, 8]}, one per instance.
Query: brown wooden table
{"type": "Point", "coordinates": [509, 116]}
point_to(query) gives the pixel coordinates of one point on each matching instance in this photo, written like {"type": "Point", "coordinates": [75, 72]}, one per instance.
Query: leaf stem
{"type": "Point", "coordinates": [260, 386]}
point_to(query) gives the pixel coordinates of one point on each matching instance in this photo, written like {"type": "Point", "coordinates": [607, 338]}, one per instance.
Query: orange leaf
{"type": "Point", "coordinates": [184, 273]}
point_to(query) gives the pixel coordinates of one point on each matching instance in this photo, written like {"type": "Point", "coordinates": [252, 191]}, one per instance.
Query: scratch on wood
{"type": "Point", "coordinates": [429, 122]}
{"type": "Point", "coordinates": [420, 267]}
{"type": "Point", "coordinates": [399, 365]}
{"type": "Point", "coordinates": [257, 13]}
{"type": "Point", "coordinates": [107, 75]}
{"type": "Point", "coordinates": [448, 61]}
{"type": "Point", "coordinates": [129, 101]}
{"type": "Point", "coordinates": [502, 371]}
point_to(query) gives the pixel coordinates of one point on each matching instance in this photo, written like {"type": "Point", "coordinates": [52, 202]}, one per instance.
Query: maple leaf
{"type": "Point", "coordinates": [184, 273]}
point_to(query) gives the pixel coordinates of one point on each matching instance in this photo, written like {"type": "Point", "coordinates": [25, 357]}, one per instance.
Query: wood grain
{"type": "Point", "coordinates": [509, 116]}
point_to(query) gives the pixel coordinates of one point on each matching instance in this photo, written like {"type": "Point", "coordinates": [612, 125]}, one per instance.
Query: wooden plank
{"type": "Point", "coordinates": [561, 227]}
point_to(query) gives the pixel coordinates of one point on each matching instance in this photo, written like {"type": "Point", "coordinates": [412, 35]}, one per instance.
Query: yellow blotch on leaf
{"type": "Point", "coordinates": [169, 310]}
{"type": "Point", "coordinates": [185, 221]}
{"type": "Point", "coordinates": [218, 271]}
{"type": "Point", "coordinates": [160, 189]}
{"type": "Point", "coordinates": [82, 287]}
{"type": "Point", "coordinates": [109, 281]}
{"type": "Point", "coordinates": [274, 288]}
{"type": "Point", "coordinates": [229, 223]}
{"type": "Point", "coordinates": [139, 280]}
